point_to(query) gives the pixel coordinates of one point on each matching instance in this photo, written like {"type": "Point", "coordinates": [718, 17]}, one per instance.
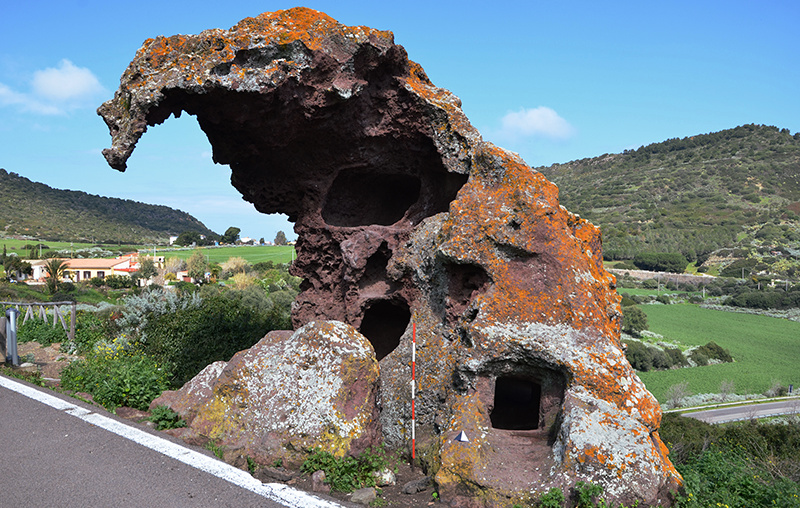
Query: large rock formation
{"type": "Point", "coordinates": [403, 213]}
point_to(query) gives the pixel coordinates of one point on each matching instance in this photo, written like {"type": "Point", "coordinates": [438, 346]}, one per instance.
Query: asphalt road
{"type": "Point", "coordinates": [748, 412]}
{"type": "Point", "coordinates": [57, 451]}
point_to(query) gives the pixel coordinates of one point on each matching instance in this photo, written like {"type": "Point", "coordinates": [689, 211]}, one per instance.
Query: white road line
{"type": "Point", "coordinates": [277, 492]}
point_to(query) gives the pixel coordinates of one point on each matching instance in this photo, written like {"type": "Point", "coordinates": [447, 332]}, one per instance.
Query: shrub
{"type": "Point", "coordinates": [89, 330]}
{"type": "Point", "coordinates": [347, 474]}
{"type": "Point", "coordinates": [661, 262]}
{"type": "Point", "coordinates": [116, 378]}
{"type": "Point", "coordinates": [165, 418]}
{"type": "Point", "coordinates": [553, 498]}
{"type": "Point", "coordinates": [713, 351]}
{"type": "Point", "coordinates": [676, 357]}
{"type": "Point", "coordinates": [663, 299]}
{"type": "Point", "coordinates": [40, 331]}
{"type": "Point", "coordinates": [192, 337]}
{"type": "Point", "coordinates": [634, 320]}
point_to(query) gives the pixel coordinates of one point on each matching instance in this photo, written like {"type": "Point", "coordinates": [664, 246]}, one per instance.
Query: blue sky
{"type": "Point", "coordinates": [552, 81]}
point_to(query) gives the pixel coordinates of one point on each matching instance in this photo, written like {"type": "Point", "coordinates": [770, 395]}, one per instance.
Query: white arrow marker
{"type": "Point", "coordinates": [462, 436]}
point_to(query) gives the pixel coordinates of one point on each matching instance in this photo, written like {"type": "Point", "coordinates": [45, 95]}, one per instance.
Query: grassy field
{"type": "Point", "coordinates": [13, 245]}
{"type": "Point", "coordinates": [253, 254]}
{"type": "Point", "coordinates": [764, 349]}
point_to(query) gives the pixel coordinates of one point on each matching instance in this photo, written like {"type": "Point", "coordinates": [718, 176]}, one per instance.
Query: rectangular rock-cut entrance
{"type": "Point", "coordinates": [516, 404]}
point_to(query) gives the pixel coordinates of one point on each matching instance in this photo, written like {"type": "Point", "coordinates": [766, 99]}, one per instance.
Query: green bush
{"type": "Point", "coordinates": [116, 378]}
{"type": "Point", "coordinates": [189, 339]}
{"type": "Point", "coordinates": [747, 464]}
{"type": "Point", "coordinates": [634, 320]}
{"type": "Point", "coordinates": [661, 262]}
{"type": "Point", "coordinates": [40, 331]}
{"type": "Point", "coordinates": [347, 474]}
{"type": "Point", "coordinates": [165, 418]}
{"type": "Point", "coordinates": [713, 351]}
{"type": "Point", "coordinates": [89, 330]}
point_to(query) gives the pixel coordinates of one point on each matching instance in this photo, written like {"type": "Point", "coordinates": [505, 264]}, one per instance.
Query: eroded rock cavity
{"type": "Point", "coordinates": [404, 214]}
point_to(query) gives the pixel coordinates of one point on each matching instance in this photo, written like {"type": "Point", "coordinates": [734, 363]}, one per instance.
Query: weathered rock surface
{"type": "Point", "coordinates": [402, 211]}
{"type": "Point", "coordinates": [286, 395]}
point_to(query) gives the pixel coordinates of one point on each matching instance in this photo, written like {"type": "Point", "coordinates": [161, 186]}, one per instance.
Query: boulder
{"type": "Point", "coordinates": [284, 396]}
{"type": "Point", "coordinates": [407, 220]}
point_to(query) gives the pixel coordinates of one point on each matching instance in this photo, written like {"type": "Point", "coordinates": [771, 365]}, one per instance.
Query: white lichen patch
{"type": "Point", "coordinates": [297, 386]}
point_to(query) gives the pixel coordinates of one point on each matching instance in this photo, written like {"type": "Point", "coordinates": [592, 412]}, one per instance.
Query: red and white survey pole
{"type": "Point", "coordinates": [413, 390]}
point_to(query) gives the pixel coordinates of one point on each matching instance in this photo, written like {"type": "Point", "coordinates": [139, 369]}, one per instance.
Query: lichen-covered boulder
{"type": "Point", "coordinates": [286, 395]}
{"type": "Point", "coordinates": [404, 215]}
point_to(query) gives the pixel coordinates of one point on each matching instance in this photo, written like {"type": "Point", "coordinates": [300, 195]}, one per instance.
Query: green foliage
{"type": "Point", "coordinates": [197, 266]}
{"type": "Point", "coordinates": [747, 464]}
{"type": "Point", "coordinates": [217, 450]}
{"type": "Point", "coordinates": [189, 338]}
{"type": "Point", "coordinates": [712, 351]}
{"type": "Point", "coordinates": [89, 330]}
{"type": "Point", "coordinates": [553, 498]}
{"type": "Point", "coordinates": [36, 209]}
{"type": "Point", "coordinates": [661, 262]}
{"type": "Point", "coordinates": [634, 320]}
{"type": "Point", "coordinates": [117, 281]}
{"type": "Point", "coordinates": [116, 378]}
{"type": "Point", "coordinates": [231, 235]}
{"type": "Point", "coordinates": [280, 238]}
{"type": "Point", "coordinates": [347, 474]}
{"type": "Point", "coordinates": [36, 330]}
{"type": "Point", "coordinates": [165, 418]}
{"type": "Point", "coordinates": [645, 358]}
{"type": "Point", "coordinates": [55, 272]}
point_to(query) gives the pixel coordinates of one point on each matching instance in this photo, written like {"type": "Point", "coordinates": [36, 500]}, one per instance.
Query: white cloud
{"type": "Point", "coordinates": [536, 122]}
{"type": "Point", "coordinates": [65, 83]}
{"type": "Point", "coordinates": [56, 90]}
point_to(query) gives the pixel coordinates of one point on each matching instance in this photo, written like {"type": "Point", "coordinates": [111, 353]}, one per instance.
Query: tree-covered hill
{"type": "Point", "coordinates": [734, 189]}
{"type": "Point", "coordinates": [37, 210]}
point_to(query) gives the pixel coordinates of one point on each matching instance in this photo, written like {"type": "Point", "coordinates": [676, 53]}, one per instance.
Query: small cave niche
{"type": "Point", "coordinates": [384, 323]}
{"type": "Point", "coordinates": [359, 197]}
{"type": "Point", "coordinates": [375, 270]}
{"type": "Point", "coordinates": [516, 403]}
{"type": "Point", "coordinates": [465, 282]}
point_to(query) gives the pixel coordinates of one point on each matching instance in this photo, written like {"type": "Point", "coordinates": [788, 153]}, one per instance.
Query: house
{"type": "Point", "coordinates": [78, 270]}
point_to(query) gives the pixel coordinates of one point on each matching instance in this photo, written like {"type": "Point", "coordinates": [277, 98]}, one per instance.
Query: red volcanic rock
{"type": "Point", "coordinates": [402, 212]}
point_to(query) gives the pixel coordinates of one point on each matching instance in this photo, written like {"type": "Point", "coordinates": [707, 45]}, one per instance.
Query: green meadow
{"type": "Point", "coordinates": [252, 253]}
{"type": "Point", "coordinates": [764, 349]}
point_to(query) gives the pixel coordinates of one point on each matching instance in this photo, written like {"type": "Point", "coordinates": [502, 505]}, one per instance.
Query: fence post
{"type": "Point", "coordinates": [11, 336]}
{"type": "Point", "coordinates": [72, 322]}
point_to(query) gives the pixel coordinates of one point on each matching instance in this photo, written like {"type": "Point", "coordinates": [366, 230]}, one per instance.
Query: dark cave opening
{"type": "Point", "coordinates": [516, 404]}
{"type": "Point", "coordinates": [362, 198]}
{"type": "Point", "coordinates": [384, 323]}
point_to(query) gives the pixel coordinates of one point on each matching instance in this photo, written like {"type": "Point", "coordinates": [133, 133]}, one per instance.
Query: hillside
{"type": "Point", "coordinates": [733, 193]}
{"type": "Point", "coordinates": [37, 210]}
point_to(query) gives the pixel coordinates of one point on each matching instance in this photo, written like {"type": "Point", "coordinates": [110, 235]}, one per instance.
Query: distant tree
{"type": "Point", "coordinates": [634, 320]}
{"type": "Point", "coordinates": [196, 266]}
{"type": "Point", "coordinates": [15, 266]}
{"type": "Point", "coordinates": [261, 241]}
{"type": "Point", "coordinates": [55, 272]}
{"type": "Point", "coordinates": [280, 238]}
{"type": "Point", "coordinates": [235, 264]}
{"type": "Point", "coordinates": [661, 262]}
{"type": "Point", "coordinates": [147, 269]}
{"type": "Point", "coordinates": [174, 265]}
{"type": "Point", "coordinates": [231, 235]}
{"type": "Point", "coordinates": [188, 238]}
